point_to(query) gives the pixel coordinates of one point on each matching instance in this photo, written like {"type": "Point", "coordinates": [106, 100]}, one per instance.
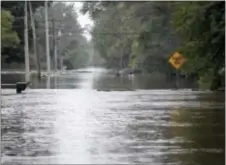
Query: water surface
{"type": "Point", "coordinates": [91, 116]}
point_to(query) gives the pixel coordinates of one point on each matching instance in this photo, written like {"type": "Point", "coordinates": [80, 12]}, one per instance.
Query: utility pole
{"type": "Point", "coordinates": [0, 83]}
{"type": "Point", "coordinates": [54, 45]}
{"type": "Point", "coordinates": [177, 78]}
{"type": "Point", "coordinates": [47, 38]}
{"type": "Point", "coordinates": [59, 50]}
{"type": "Point", "coordinates": [60, 60]}
{"type": "Point", "coordinates": [27, 65]}
{"type": "Point", "coordinates": [61, 57]}
{"type": "Point", "coordinates": [35, 42]}
{"type": "Point", "coordinates": [91, 57]}
{"type": "Point", "coordinates": [121, 60]}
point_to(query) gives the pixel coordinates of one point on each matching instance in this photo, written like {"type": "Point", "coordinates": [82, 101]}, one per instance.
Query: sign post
{"type": "Point", "coordinates": [177, 60]}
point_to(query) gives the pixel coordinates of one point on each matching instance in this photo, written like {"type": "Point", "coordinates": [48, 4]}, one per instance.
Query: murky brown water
{"type": "Point", "coordinates": [97, 118]}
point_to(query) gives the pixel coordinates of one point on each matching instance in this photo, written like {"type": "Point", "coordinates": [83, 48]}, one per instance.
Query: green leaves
{"type": "Point", "coordinates": [201, 27]}
{"type": "Point", "coordinates": [13, 52]}
{"type": "Point", "coordinates": [146, 33]}
{"type": "Point", "coordinates": [132, 29]}
{"type": "Point", "coordinates": [8, 36]}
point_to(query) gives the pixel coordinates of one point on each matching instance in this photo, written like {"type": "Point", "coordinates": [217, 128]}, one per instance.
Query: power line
{"type": "Point", "coordinates": [98, 33]}
{"type": "Point", "coordinates": [84, 31]}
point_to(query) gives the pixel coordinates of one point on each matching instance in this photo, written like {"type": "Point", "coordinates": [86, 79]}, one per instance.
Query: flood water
{"type": "Point", "coordinates": [92, 117]}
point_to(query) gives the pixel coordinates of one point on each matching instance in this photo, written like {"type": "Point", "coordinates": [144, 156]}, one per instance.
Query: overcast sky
{"type": "Point", "coordinates": [84, 20]}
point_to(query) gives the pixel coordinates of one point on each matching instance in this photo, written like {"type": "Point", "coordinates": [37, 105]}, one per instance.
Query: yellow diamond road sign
{"type": "Point", "coordinates": [177, 60]}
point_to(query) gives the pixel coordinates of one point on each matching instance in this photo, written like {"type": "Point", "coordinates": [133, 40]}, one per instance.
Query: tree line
{"type": "Point", "coordinates": [72, 47]}
{"type": "Point", "coordinates": [127, 34]}
{"type": "Point", "coordinates": [144, 35]}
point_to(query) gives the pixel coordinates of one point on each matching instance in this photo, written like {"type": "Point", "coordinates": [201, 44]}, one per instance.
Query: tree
{"type": "Point", "coordinates": [16, 54]}
{"type": "Point", "coordinates": [133, 34]}
{"type": "Point", "coordinates": [201, 26]}
{"type": "Point", "coordinates": [8, 36]}
{"type": "Point", "coordinates": [72, 45]}
{"type": "Point", "coordinates": [145, 34]}
{"type": "Point", "coordinates": [109, 36]}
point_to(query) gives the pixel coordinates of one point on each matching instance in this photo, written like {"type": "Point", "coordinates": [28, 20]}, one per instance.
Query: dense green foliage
{"type": "Point", "coordinates": [144, 35]}
{"type": "Point", "coordinates": [8, 36]}
{"type": "Point", "coordinates": [128, 34]}
{"type": "Point", "coordinates": [72, 46]}
{"type": "Point", "coordinates": [201, 26]}
{"type": "Point", "coordinates": [16, 8]}
{"type": "Point", "coordinates": [133, 34]}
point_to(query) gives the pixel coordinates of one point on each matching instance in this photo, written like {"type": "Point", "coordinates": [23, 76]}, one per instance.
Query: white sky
{"type": "Point", "coordinates": [84, 20]}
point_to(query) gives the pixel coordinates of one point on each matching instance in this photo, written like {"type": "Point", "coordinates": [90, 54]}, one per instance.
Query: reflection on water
{"type": "Point", "coordinates": [82, 125]}
{"type": "Point", "coordinates": [100, 79]}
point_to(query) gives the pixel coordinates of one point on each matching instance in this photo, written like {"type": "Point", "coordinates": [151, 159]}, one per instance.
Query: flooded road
{"type": "Point", "coordinates": [93, 117]}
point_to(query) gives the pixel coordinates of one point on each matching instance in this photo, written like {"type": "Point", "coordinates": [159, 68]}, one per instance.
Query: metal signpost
{"type": "Point", "coordinates": [177, 60]}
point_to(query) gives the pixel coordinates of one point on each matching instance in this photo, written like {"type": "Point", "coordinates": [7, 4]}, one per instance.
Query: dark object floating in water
{"type": "Point", "coordinates": [84, 71]}
{"type": "Point", "coordinates": [20, 86]}
{"type": "Point", "coordinates": [117, 74]}
{"type": "Point", "coordinates": [127, 72]}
